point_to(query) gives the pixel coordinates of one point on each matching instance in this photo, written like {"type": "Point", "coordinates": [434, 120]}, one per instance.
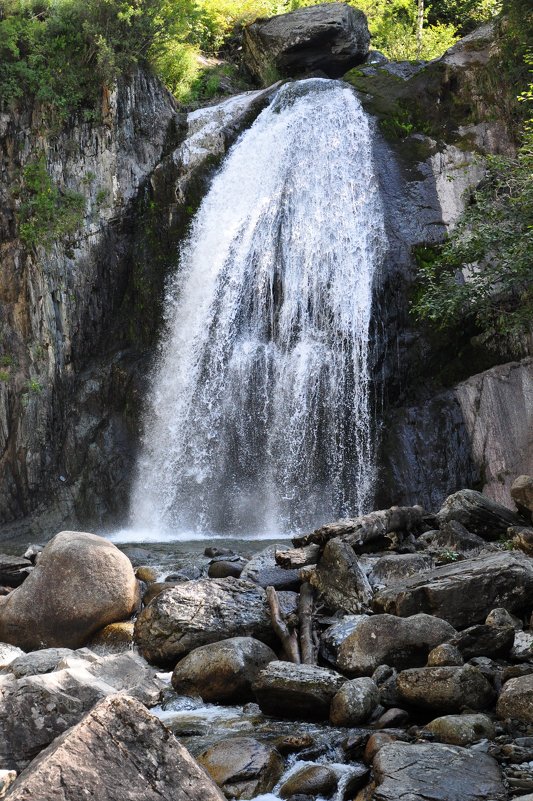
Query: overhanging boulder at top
{"type": "Point", "coordinates": [332, 37]}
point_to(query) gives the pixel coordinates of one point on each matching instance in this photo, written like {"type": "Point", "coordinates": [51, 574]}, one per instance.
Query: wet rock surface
{"type": "Point", "coordinates": [242, 767]}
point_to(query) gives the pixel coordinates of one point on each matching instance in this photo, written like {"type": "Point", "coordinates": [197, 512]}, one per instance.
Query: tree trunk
{"type": "Point", "coordinates": [288, 639]}
{"type": "Point", "coordinates": [419, 28]}
{"type": "Point", "coordinates": [305, 613]}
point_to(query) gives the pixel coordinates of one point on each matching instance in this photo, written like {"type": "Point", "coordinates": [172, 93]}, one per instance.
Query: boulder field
{"type": "Point", "coordinates": [418, 657]}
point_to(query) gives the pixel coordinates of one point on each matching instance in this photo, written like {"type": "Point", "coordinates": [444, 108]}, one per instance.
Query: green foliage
{"type": "Point", "coordinates": [46, 213]}
{"type": "Point", "coordinates": [6, 360]}
{"type": "Point", "coordinates": [4, 375]}
{"type": "Point", "coordinates": [33, 386]}
{"type": "Point", "coordinates": [448, 555]}
{"type": "Point", "coordinates": [484, 272]}
{"type": "Point", "coordinates": [63, 52]}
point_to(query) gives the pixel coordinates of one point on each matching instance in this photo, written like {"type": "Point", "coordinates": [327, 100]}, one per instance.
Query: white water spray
{"type": "Point", "coordinates": [259, 419]}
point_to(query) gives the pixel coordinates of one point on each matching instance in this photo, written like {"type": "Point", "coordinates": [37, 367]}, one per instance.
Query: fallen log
{"type": "Point", "coordinates": [288, 639]}
{"type": "Point", "coordinates": [294, 558]}
{"type": "Point", "coordinates": [305, 613]}
{"type": "Point", "coordinates": [359, 530]}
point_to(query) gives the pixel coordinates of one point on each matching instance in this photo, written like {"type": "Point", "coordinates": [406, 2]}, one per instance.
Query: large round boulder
{"type": "Point", "coordinates": [81, 584]}
{"type": "Point", "coordinates": [197, 613]}
{"type": "Point", "coordinates": [223, 671]}
{"type": "Point", "coordinates": [389, 640]}
{"type": "Point", "coordinates": [332, 37]}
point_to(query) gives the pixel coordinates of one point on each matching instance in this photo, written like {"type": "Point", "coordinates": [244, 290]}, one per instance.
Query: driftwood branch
{"type": "Point", "coordinates": [294, 558]}
{"type": "Point", "coordinates": [288, 639]}
{"type": "Point", "coordinates": [305, 613]}
{"type": "Point", "coordinates": [363, 529]}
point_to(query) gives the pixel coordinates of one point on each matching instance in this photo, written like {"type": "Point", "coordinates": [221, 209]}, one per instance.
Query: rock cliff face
{"type": "Point", "coordinates": [441, 428]}
{"type": "Point", "coordinates": [78, 319]}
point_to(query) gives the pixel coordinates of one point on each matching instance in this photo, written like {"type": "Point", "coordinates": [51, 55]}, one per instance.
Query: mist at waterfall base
{"type": "Point", "coordinates": [258, 421]}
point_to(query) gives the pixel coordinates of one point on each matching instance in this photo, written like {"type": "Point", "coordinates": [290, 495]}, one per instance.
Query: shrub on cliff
{"type": "Point", "coordinates": [484, 271]}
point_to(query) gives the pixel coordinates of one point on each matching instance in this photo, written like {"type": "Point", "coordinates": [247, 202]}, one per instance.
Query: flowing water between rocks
{"type": "Point", "coordinates": [259, 417]}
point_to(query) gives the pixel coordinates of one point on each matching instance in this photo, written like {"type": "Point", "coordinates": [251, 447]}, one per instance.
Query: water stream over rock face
{"type": "Point", "coordinates": [259, 415]}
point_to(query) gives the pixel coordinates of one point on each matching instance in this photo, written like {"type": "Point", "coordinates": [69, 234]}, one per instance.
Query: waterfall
{"type": "Point", "coordinates": [259, 419]}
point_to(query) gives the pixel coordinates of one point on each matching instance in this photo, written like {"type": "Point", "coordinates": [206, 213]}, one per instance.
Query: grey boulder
{"type": "Point", "coordinates": [340, 579]}
{"type": "Point", "coordinates": [516, 699]}
{"type": "Point", "coordinates": [462, 729]}
{"type": "Point", "coordinates": [390, 640]}
{"type": "Point", "coordinates": [479, 514]}
{"type": "Point", "coordinates": [263, 569]}
{"type": "Point", "coordinates": [118, 752]}
{"type": "Point", "coordinates": [223, 671]}
{"type": "Point", "coordinates": [332, 37]}
{"type": "Point", "coordinates": [197, 613]}
{"type": "Point", "coordinates": [354, 703]}
{"type": "Point", "coordinates": [34, 710]}
{"type": "Point", "coordinates": [464, 593]}
{"type": "Point", "coordinates": [445, 689]}
{"type": "Point", "coordinates": [522, 494]}
{"type": "Point", "coordinates": [484, 640]}
{"type": "Point", "coordinates": [300, 691]}
{"type": "Point", "coordinates": [439, 772]}
{"type": "Point", "coordinates": [394, 567]}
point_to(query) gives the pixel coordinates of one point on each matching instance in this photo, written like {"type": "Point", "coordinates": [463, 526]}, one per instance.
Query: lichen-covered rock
{"type": "Point", "coordinates": [332, 37]}
{"type": "Point", "coordinates": [223, 671]}
{"type": "Point", "coordinates": [445, 655]}
{"type": "Point", "coordinates": [242, 767]}
{"type": "Point", "coordinates": [300, 691]}
{"type": "Point", "coordinates": [462, 729]}
{"type": "Point", "coordinates": [113, 639]}
{"type": "Point", "coordinates": [200, 612]}
{"type": "Point", "coordinates": [445, 689]}
{"type": "Point", "coordinates": [392, 567]}
{"type": "Point", "coordinates": [340, 579]}
{"type": "Point", "coordinates": [449, 773]}
{"type": "Point", "coordinates": [354, 703]}
{"type": "Point", "coordinates": [118, 752]}
{"type": "Point", "coordinates": [516, 699]}
{"type": "Point", "coordinates": [35, 709]}
{"type": "Point", "coordinates": [389, 640]}
{"type": "Point", "coordinates": [81, 583]}
{"type": "Point", "coordinates": [465, 592]}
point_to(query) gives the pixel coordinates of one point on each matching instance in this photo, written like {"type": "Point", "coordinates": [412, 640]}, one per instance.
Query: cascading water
{"type": "Point", "coordinates": [259, 415]}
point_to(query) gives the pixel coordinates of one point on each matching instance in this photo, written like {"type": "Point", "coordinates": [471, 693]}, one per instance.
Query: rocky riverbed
{"type": "Point", "coordinates": [385, 657]}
